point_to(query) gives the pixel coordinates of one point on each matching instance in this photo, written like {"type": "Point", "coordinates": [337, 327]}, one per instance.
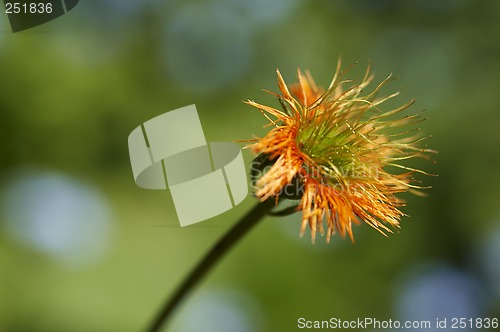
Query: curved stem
{"type": "Point", "coordinates": [213, 256]}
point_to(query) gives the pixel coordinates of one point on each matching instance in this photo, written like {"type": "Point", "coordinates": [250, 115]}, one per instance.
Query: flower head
{"type": "Point", "coordinates": [332, 148]}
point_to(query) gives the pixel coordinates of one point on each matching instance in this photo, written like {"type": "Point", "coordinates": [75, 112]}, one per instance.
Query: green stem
{"type": "Point", "coordinates": [213, 256]}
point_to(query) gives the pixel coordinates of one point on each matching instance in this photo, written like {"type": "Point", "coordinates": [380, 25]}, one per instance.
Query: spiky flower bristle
{"type": "Point", "coordinates": [337, 144]}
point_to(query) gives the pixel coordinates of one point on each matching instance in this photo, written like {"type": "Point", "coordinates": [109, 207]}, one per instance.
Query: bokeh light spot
{"type": "Point", "coordinates": [207, 47]}
{"type": "Point", "coordinates": [439, 291]}
{"type": "Point", "coordinates": [489, 259]}
{"type": "Point", "coordinates": [220, 311]}
{"type": "Point", "coordinates": [59, 216]}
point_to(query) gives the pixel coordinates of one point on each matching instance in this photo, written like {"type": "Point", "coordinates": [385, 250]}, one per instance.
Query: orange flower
{"type": "Point", "coordinates": [331, 148]}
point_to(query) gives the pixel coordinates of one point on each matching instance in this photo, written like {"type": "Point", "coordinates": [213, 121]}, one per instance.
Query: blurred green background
{"type": "Point", "coordinates": [82, 248]}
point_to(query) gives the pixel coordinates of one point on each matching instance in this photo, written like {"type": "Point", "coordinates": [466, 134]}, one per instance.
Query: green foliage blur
{"type": "Point", "coordinates": [73, 89]}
